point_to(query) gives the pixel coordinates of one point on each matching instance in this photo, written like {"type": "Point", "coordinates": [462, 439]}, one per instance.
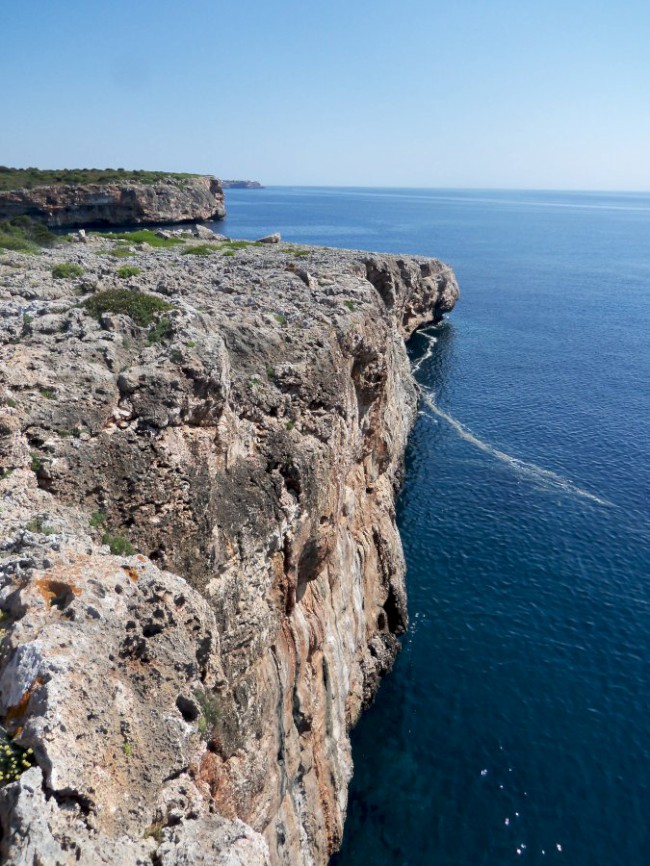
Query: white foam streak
{"type": "Point", "coordinates": [429, 352]}
{"type": "Point", "coordinates": [521, 467]}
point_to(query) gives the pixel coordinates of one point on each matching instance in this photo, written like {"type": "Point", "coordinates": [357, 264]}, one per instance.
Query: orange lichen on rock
{"type": "Point", "coordinates": [18, 710]}
{"type": "Point", "coordinates": [132, 572]}
{"type": "Point", "coordinates": [56, 593]}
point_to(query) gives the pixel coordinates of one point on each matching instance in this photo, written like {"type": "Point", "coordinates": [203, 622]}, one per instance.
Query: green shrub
{"type": "Point", "coordinates": [350, 305]}
{"type": "Point", "coordinates": [23, 234]}
{"type": "Point", "coordinates": [65, 270]}
{"type": "Point", "coordinates": [210, 711]}
{"type": "Point", "coordinates": [96, 519]}
{"type": "Point", "coordinates": [160, 331]}
{"type": "Point", "coordinates": [118, 546]}
{"type": "Point", "coordinates": [128, 271]}
{"type": "Point", "coordinates": [281, 318]}
{"type": "Point", "coordinates": [142, 308]}
{"type": "Point", "coordinates": [14, 760]}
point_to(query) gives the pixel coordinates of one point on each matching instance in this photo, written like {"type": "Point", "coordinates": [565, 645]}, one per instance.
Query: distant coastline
{"type": "Point", "coordinates": [241, 184]}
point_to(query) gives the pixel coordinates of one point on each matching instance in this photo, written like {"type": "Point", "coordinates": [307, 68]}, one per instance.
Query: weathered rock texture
{"type": "Point", "coordinates": [190, 704]}
{"type": "Point", "coordinates": [172, 200]}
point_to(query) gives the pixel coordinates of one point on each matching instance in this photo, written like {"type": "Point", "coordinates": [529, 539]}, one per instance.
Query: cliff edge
{"type": "Point", "coordinates": [201, 580]}
{"type": "Point", "coordinates": [167, 199]}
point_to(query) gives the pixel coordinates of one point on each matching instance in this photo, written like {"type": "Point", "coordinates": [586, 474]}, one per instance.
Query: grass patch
{"type": "Point", "coordinates": [281, 319]}
{"type": "Point", "coordinates": [120, 252]}
{"type": "Point", "coordinates": [142, 308]}
{"type": "Point", "coordinates": [128, 271]}
{"type": "Point", "coordinates": [118, 546]}
{"type": "Point", "coordinates": [48, 393]}
{"type": "Point", "coordinates": [65, 270]}
{"type": "Point", "coordinates": [350, 305]}
{"type": "Point", "coordinates": [199, 250]}
{"type": "Point", "coordinates": [142, 236]}
{"type": "Point", "coordinates": [28, 178]}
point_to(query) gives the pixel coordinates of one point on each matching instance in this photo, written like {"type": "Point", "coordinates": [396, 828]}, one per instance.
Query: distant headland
{"type": "Point", "coordinates": [241, 184]}
{"type": "Point", "coordinates": [85, 197]}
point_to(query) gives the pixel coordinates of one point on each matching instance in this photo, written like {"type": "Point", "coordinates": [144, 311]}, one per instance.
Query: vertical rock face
{"type": "Point", "coordinates": [191, 703]}
{"type": "Point", "coordinates": [170, 200]}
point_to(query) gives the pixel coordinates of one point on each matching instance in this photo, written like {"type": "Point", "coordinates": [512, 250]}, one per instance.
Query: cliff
{"type": "Point", "coordinates": [201, 580]}
{"type": "Point", "coordinates": [168, 199]}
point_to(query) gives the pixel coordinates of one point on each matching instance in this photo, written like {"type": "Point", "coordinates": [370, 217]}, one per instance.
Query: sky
{"type": "Point", "coordinates": [523, 94]}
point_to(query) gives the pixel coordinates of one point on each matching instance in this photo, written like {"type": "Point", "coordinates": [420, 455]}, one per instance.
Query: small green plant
{"type": "Point", "coordinates": [270, 372]}
{"type": "Point", "coordinates": [350, 305]}
{"type": "Point", "coordinates": [9, 401]}
{"type": "Point", "coordinates": [36, 463]}
{"type": "Point", "coordinates": [281, 319]}
{"type": "Point", "coordinates": [229, 252]}
{"type": "Point", "coordinates": [118, 546]}
{"type": "Point", "coordinates": [300, 254]}
{"type": "Point", "coordinates": [38, 525]}
{"type": "Point", "coordinates": [210, 711]}
{"type": "Point", "coordinates": [142, 308]}
{"type": "Point", "coordinates": [65, 270]}
{"type": "Point", "coordinates": [199, 250]}
{"type": "Point", "coordinates": [162, 330]}
{"type": "Point", "coordinates": [290, 425]}
{"type": "Point", "coordinates": [191, 344]}
{"type": "Point", "coordinates": [121, 253]}
{"type": "Point", "coordinates": [97, 518]}
{"type": "Point", "coordinates": [14, 760]}
{"type": "Point", "coordinates": [128, 271]}
{"type": "Point", "coordinates": [127, 748]}
{"type": "Point", "coordinates": [48, 393]}
{"type": "Point", "coordinates": [5, 473]}
{"type": "Point", "coordinates": [27, 323]}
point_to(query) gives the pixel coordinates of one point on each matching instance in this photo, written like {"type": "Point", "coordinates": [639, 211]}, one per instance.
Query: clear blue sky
{"type": "Point", "coordinates": [473, 93]}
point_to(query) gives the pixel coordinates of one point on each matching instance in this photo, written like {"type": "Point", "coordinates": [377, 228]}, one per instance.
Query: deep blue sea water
{"type": "Point", "coordinates": [515, 726]}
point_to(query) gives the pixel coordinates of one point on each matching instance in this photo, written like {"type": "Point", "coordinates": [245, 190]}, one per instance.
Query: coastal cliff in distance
{"type": "Point", "coordinates": [107, 197]}
{"type": "Point", "coordinates": [241, 184]}
{"type": "Point", "coordinates": [201, 579]}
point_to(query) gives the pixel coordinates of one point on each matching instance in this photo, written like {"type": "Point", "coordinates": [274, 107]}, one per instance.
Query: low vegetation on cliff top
{"type": "Point", "coordinates": [142, 236]}
{"type": "Point", "coordinates": [28, 178]}
{"type": "Point", "coordinates": [143, 309]}
{"type": "Point", "coordinates": [23, 235]}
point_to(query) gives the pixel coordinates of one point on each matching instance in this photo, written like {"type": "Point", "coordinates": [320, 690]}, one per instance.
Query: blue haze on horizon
{"type": "Point", "coordinates": [418, 93]}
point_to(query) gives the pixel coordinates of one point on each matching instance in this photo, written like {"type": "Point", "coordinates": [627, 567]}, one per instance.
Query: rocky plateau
{"type": "Point", "coordinates": [201, 579]}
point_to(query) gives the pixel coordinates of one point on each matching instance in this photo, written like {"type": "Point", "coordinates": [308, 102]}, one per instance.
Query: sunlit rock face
{"type": "Point", "coordinates": [202, 580]}
{"type": "Point", "coordinates": [172, 200]}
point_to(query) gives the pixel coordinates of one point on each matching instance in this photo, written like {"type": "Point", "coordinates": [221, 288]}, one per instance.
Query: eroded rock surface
{"type": "Point", "coordinates": [121, 203]}
{"type": "Point", "coordinates": [190, 702]}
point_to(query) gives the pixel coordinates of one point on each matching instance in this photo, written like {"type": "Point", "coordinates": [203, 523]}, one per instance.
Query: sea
{"type": "Point", "coordinates": [515, 725]}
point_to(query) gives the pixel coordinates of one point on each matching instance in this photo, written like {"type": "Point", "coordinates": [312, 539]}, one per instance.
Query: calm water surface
{"type": "Point", "coordinates": [516, 724]}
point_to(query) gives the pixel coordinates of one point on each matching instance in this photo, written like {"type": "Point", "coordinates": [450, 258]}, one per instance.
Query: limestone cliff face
{"type": "Point", "coordinates": [191, 703]}
{"type": "Point", "coordinates": [172, 200]}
